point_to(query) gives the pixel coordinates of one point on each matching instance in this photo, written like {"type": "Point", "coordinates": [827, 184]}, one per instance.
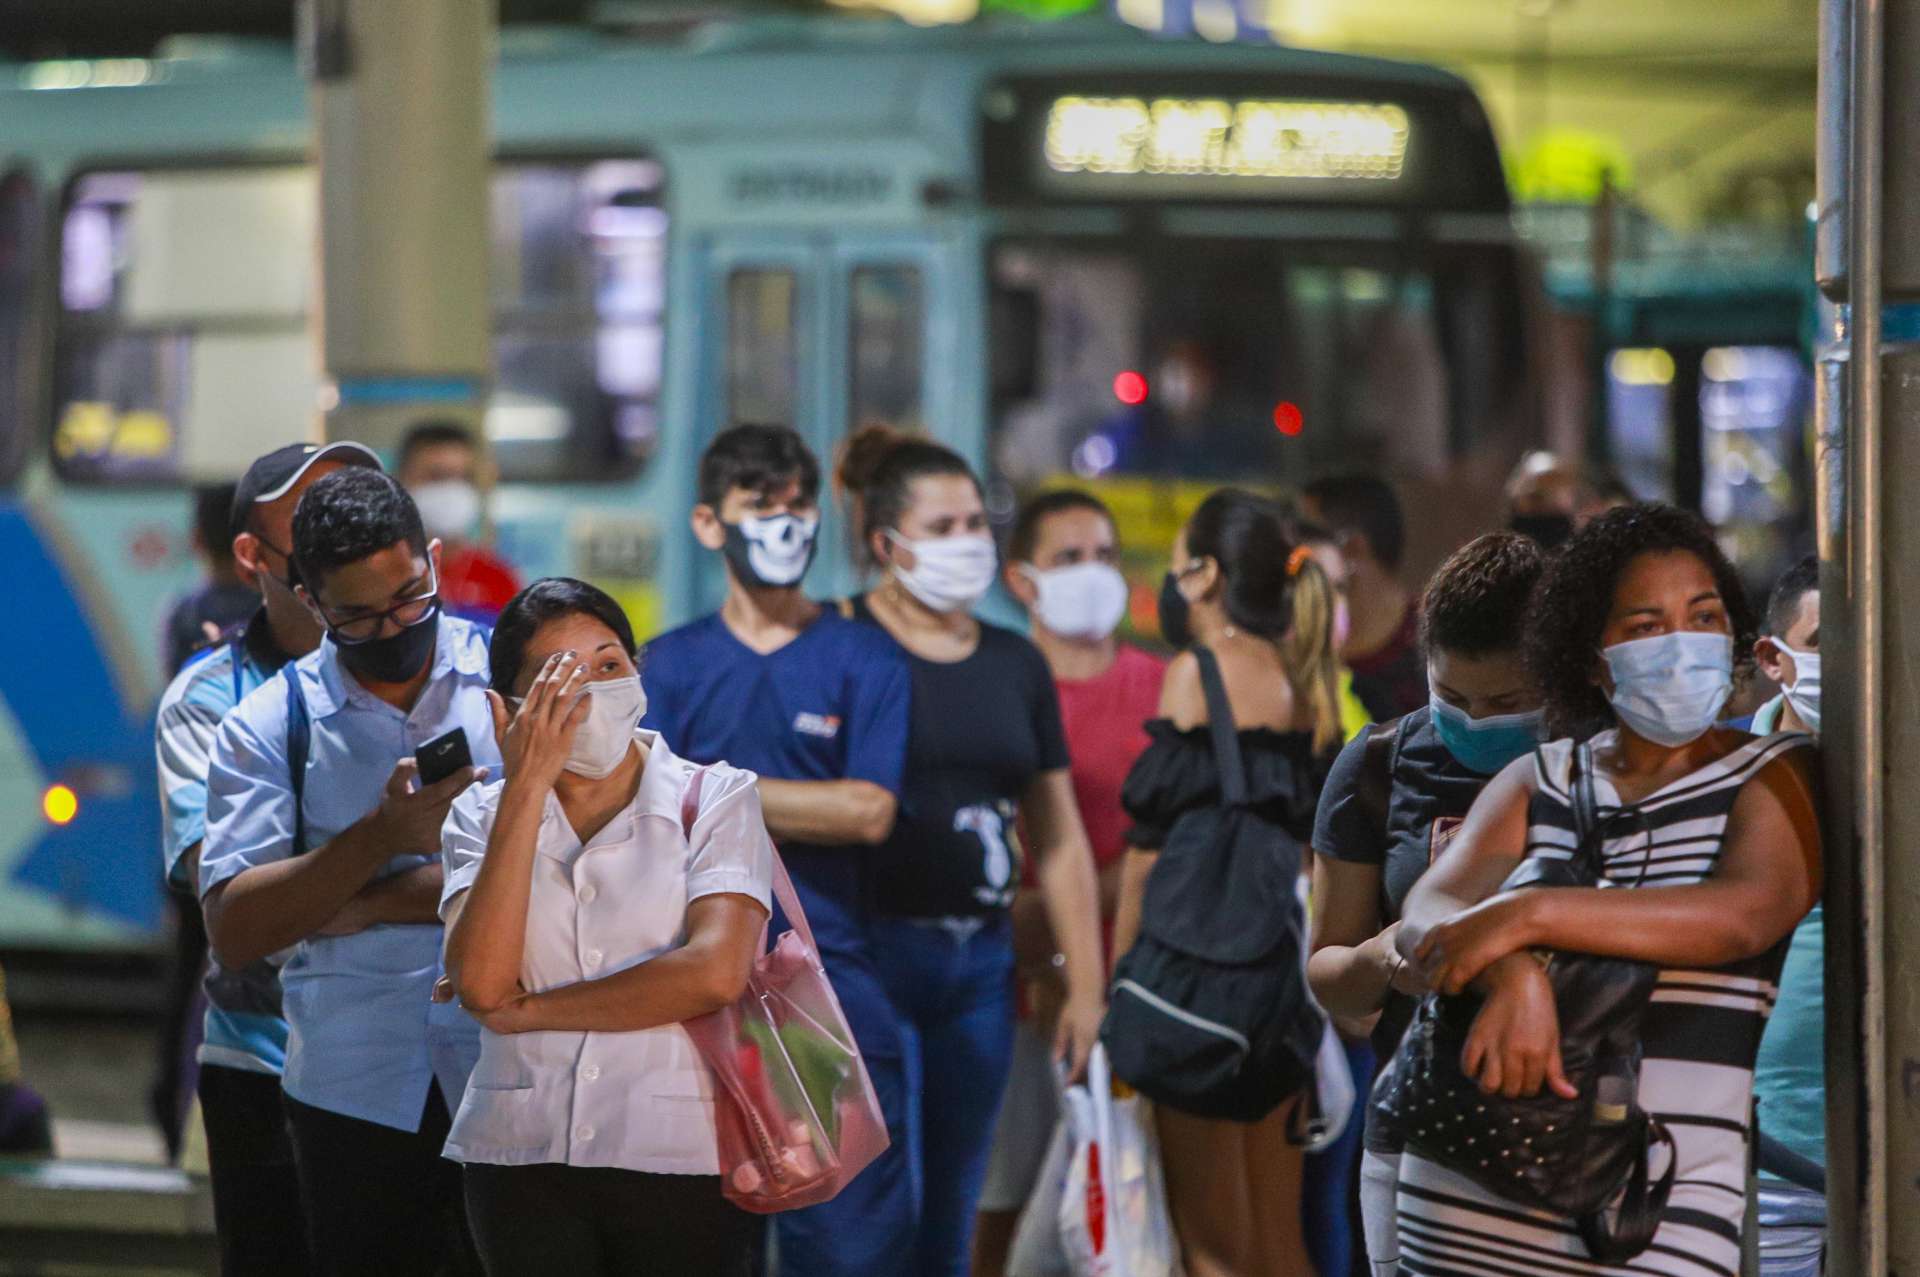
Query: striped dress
{"type": "Point", "coordinates": [1700, 1036]}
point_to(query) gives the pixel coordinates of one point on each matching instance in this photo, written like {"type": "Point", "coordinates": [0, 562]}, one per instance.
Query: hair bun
{"type": "Point", "coordinates": [862, 455]}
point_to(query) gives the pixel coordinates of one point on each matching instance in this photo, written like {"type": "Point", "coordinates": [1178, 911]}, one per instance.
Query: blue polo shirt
{"type": "Point", "coordinates": [365, 1038]}
{"type": "Point", "coordinates": [830, 705]}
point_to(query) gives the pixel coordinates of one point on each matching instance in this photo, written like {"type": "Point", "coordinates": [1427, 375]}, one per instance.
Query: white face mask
{"type": "Point", "coordinates": [949, 574]}
{"type": "Point", "coordinates": [1080, 601]}
{"type": "Point", "coordinates": [614, 707]}
{"type": "Point", "coordinates": [449, 508]}
{"type": "Point", "coordinates": [1670, 689]}
{"type": "Point", "coordinates": [1804, 692]}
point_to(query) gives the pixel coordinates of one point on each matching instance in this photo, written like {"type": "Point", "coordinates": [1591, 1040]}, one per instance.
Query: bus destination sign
{"type": "Point", "coordinates": [1149, 143]}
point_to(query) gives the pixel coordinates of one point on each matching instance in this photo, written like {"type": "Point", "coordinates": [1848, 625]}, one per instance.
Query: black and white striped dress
{"type": "Point", "coordinates": [1700, 1036]}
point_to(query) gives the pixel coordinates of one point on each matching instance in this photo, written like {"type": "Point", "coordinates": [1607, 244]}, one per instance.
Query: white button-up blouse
{"type": "Point", "coordinates": [641, 1100]}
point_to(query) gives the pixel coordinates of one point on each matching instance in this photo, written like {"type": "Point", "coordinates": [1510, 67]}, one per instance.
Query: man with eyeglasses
{"type": "Point", "coordinates": [243, 1048]}
{"type": "Point", "coordinates": [373, 1065]}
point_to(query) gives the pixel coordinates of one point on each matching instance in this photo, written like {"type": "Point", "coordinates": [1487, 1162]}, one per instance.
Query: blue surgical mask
{"type": "Point", "coordinates": [1670, 689]}
{"type": "Point", "coordinates": [1486, 745]}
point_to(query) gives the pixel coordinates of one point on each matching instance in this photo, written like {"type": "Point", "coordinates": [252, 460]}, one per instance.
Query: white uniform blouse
{"type": "Point", "coordinates": [641, 1100]}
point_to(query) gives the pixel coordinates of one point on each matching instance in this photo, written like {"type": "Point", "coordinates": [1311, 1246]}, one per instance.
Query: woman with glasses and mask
{"type": "Point", "coordinates": [985, 749]}
{"type": "Point", "coordinates": [601, 895]}
{"type": "Point", "coordinates": [1639, 636]}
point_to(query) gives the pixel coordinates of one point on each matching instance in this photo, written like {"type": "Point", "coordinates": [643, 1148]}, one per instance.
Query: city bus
{"type": "Point", "coordinates": [1069, 250]}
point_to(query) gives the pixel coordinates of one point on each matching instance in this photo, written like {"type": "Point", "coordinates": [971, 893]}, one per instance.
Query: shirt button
{"type": "Point", "coordinates": [591, 1073]}
{"type": "Point", "coordinates": [583, 1132]}
{"type": "Point", "coordinates": [587, 893]}
{"type": "Point", "coordinates": [593, 957]}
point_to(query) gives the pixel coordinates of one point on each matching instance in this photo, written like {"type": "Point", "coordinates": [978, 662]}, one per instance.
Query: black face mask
{"type": "Point", "coordinates": [1175, 627]}
{"type": "Point", "coordinates": [395, 658]}
{"type": "Point", "coordinates": [1551, 530]}
{"type": "Point", "coordinates": [783, 545]}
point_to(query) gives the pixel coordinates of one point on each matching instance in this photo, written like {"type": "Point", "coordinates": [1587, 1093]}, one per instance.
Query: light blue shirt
{"type": "Point", "coordinates": [366, 1040]}
{"type": "Point", "coordinates": [243, 1028]}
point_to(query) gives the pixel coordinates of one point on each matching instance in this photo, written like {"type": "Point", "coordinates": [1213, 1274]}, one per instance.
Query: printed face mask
{"type": "Point", "coordinates": [1080, 601]}
{"type": "Point", "coordinates": [1671, 688]}
{"type": "Point", "coordinates": [771, 553]}
{"type": "Point", "coordinates": [1804, 692]}
{"type": "Point", "coordinates": [949, 574]}
{"type": "Point", "coordinates": [449, 508]}
{"type": "Point", "coordinates": [1486, 745]}
{"type": "Point", "coordinates": [614, 707]}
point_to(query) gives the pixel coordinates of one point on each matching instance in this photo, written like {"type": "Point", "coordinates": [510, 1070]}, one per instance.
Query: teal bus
{"type": "Point", "coordinates": [1070, 250]}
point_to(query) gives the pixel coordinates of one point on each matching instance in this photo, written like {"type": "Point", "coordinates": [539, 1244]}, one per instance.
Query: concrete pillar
{"type": "Point", "coordinates": [400, 103]}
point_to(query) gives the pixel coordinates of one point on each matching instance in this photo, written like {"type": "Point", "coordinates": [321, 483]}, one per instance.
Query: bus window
{"type": "Point", "coordinates": [1254, 361]}
{"type": "Point", "coordinates": [19, 237]}
{"type": "Point", "coordinates": [887, 312]}
{"type": "Point", "coordinates": [763, 346]}
{"type": "Point", "coordinates": [183, 343]}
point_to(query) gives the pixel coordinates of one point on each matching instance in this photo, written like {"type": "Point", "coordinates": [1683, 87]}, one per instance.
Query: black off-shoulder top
{"type": "Point", "coordinates": [1176, 774]}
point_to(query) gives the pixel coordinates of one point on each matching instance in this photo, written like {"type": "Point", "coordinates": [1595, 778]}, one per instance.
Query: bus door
{"type": "Point", "coordinates": [823, 333]}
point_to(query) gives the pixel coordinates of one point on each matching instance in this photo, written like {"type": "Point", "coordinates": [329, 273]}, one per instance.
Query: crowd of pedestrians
{"type": "Point", "coordinates": [471, 857]}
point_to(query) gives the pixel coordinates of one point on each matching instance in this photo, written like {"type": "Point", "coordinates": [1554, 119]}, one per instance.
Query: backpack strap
{"type": "Point", "coordinates": [299, 743]}
{"type": "Point", "coordinates": [1226, 738]}
{"type": "Point", "coordinates": [1374, 787]}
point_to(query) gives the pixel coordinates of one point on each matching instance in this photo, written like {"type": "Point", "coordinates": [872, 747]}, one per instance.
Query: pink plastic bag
{"type": "Point", "coordinates": [795, 1113]}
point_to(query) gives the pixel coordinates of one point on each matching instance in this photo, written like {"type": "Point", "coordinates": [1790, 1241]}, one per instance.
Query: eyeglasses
{"type": "Point", "coordinates": [406, 614]}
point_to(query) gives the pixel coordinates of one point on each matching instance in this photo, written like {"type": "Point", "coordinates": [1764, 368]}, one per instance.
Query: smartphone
{"type": "Point", "coordinates": [442, 756]}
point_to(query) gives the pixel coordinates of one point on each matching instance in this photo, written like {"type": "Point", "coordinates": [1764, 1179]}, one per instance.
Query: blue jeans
{"type": "Point", "coordinates": [951, 984]}
{"type": "Point", "coordinates": [1326, 1193]}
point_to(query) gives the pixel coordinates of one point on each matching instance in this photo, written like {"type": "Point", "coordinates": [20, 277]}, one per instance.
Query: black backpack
{"type": "Point", "coordinates": [1209, 1013]}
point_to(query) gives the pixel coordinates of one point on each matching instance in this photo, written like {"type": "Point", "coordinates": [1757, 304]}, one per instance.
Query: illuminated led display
{"type": "Point", "coordinates": [1217, 137]}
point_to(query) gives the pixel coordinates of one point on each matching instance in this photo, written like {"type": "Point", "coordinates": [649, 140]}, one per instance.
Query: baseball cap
{"type": "Point", "coordinates": [270, 477]}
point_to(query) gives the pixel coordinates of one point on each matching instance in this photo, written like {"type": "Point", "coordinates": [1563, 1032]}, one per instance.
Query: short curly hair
{"type": "Point", "coordinates": [1476, 604]}
{"type": "Point", "coordinates": [1575, 597]}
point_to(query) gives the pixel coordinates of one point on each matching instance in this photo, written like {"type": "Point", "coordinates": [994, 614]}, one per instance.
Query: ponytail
{"type": "Point", "coordinates": [1307, 650]}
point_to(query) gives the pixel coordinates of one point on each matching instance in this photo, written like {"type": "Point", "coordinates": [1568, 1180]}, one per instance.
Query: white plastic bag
{"type": "Point", "coordinates": [1113, 1209]}
{"type": "Point", "coordinates": [1037, 1249]}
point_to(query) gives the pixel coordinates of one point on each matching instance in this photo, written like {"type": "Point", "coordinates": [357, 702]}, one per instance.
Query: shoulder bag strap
{"type": "Point", "coordinates": [1586, 809]}
{"type": "Point", "coordinates": [1226, 738]}
{"type": "Point", "coordinates": [783, 892]}
{"type": "Point", "coordinates": [299, 742]}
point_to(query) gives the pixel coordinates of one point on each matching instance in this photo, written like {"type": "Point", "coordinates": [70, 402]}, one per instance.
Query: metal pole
{"type": "Point", "coordinates": [400, 103]}
{"type": "Point", "coordinates": [1866, 575]}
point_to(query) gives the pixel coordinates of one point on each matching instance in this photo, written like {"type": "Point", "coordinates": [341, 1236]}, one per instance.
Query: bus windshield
{"type": "Point", "coordinates": [1255, 361]}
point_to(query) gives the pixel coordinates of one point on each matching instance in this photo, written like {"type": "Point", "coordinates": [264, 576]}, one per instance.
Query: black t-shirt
{"type": "Point", "coordinates": [981, 730]}
{"type": "Point", "coordinates": [1428, 784]}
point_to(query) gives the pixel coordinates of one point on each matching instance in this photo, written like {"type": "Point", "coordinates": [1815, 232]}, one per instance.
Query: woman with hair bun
{"type": "Point", "coordinates": [1243, 589]}
{"type": "Point", "coordinates": [985, 750]}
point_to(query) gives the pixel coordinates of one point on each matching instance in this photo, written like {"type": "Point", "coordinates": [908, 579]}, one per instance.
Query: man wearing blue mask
{"type": "Point", "coordinates": [1396, 793]}
{"type": "Point", "coordinates": [1789, 1076]}
{"type": "Point", "coordinates": [817, 705]}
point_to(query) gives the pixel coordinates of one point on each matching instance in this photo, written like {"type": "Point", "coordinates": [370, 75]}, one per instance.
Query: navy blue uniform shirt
{"type": "Point", "coordinates": [832, 704]}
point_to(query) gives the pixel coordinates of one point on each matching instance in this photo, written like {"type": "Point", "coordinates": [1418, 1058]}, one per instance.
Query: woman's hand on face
{"type": "Point", "coordinates": [1455, 952]}
{"type": "Point", "coordinates": [1513, 1048]}
{"type": "Point", "coordinates": [1077, 1031]}
{"type": "Point", "coordinates": [535, 742]}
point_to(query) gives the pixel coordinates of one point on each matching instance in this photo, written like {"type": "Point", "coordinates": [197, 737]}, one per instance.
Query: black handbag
{"type": "Point", "coordinates": [1586, 1159]}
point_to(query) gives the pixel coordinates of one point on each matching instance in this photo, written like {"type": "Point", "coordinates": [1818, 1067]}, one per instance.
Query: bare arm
{"type": "Point", "coordinates": [1353, 962]}
{"type": "Point", "coordinates": [1488, 848]}
{"type": "Point", "coordinates": [1135, 868]}
{"type": "Point", "coordinates": [1070, 893]}
{"type": "Point", "coordinates": [1766, 880]}
{"type": "Point", "coordinates": [827, 811]}
{"type": "Point", "coordinates": [266, 908]}
{"type": "Point", "coordinates": [706, 973]}
{"type": "Point", "coordinates": [403, 899]}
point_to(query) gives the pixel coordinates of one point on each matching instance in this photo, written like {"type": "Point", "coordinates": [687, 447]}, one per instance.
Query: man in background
{"type": "Point", "coordinates": [222, 600]}
{"type": "Point", "coordinates": [1382, 647]}
{"type": "Point", "coordinates": [441, 468]}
